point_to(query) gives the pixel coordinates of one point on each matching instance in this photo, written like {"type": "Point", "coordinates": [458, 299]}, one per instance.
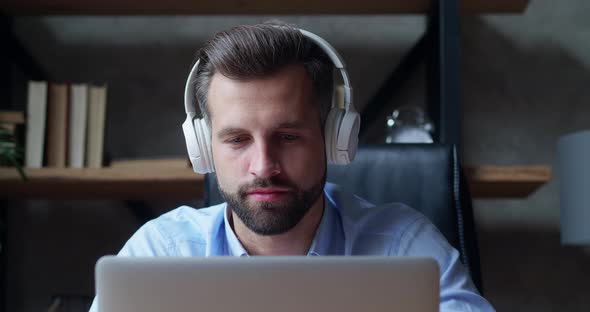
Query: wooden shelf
{"type": "Point", "coordinates": [173, 179]}
{"type": "Point", "coordinates": [167, 179]}
{"type": "Point", "coordinates": [291, 7]}
{"type": "Point", "coordinates": [506, 181]}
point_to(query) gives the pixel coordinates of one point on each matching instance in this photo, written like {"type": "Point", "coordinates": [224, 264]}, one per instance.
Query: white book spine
{"type": "Point", "coordinates": [35, 134]}
{"type": "Point", "coordinates": [78, 122]}
{"type": "Point", "coordinates": [96, 126]}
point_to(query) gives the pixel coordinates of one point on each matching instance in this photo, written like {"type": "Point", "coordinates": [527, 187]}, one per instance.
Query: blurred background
{"type": "Point", "coordinates": [523, 83]}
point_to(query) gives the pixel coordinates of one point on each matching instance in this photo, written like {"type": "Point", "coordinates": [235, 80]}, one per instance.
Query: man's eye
{"type": "Point", "coordinates": [289, 137]}
{"type": "Point", "coordinates": [237, 140]}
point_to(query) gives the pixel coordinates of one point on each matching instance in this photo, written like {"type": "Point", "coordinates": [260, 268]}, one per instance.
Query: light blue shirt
{"type": "Point", "coordinates": [349, 226]}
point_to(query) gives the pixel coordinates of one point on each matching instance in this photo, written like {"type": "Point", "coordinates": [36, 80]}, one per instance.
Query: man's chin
{"type": "Point", "coordinates": [269, 217]}
{"type": "Point", "coordinates": [274, 213]}
{"type": "Point", "coordinates": [269, 206]}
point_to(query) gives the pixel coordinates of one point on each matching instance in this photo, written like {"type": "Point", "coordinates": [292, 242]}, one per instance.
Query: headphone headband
{"type": "Point", "coordinates": [338, 63]}
{"type": "Point", "coordinates": [189, 90]}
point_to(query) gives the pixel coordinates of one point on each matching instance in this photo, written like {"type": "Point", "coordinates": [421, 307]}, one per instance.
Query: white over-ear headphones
{"type": "Point", "coordinates": [341, 128]}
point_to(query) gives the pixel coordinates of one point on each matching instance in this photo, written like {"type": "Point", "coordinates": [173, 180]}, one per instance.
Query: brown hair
{"type": "Point", "coordinates": [253, 51]}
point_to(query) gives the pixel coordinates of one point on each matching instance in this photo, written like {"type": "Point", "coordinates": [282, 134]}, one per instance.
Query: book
{"type": "Point", "coordinates": [77, 125]}
{"type": "Point", "coordinates": [57, 125]}
{"type": "Point", "coordinates": [35, 128]}
{"type": "Point", "coordinates": [96, 126]}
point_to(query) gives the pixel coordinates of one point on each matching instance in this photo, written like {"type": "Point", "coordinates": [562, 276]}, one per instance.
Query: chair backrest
{"type": "Point", "coordinates": [426, 177]}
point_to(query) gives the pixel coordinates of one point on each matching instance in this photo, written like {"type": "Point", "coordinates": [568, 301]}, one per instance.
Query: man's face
{"type": "Point", "coordinates": [268, 147]}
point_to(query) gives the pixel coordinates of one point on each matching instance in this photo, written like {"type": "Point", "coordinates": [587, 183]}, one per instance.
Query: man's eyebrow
{"type": "Point", "coordinates": [290, 125]}
{"type": "Point", "coordinates": [229, 131]}
{"type": "Point", "coordinates": [283, 125]}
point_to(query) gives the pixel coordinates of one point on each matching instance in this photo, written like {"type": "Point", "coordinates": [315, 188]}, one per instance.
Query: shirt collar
{"type": "Point", "coordinates": [328, 239]}
{"type": "Point", "coordinates": [235, 248]}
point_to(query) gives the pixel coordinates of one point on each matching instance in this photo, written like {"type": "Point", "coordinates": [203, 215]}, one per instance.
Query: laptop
{"type": "Point", "coordinates": [259, 284]}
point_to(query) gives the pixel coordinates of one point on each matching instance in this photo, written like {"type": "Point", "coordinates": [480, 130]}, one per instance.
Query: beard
{"type": "Point", "coordinates": [273, 217]}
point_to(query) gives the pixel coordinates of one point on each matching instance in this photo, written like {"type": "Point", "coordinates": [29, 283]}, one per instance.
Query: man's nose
{"type": "Point", "coordinates": [264, 163]}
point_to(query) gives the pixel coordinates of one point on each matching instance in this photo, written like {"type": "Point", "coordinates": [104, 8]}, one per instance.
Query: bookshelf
{"type": "Point", "coordinates": [174, 179]}
{"type": "Point", "coordinates": [165, 181]}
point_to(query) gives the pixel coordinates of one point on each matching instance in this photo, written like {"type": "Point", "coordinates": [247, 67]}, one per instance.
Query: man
{"type": "Point", "coordinates": [265, 92]}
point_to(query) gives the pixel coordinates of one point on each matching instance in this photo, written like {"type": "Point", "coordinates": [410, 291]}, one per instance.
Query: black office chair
{"type": "Point", "coordinates": [426, 177]}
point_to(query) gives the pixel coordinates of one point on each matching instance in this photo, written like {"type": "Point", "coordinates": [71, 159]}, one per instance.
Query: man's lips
{"type": "Point", "coordinates": [268, 194]}
{"type": "Point", "coordinates": [268, 190]}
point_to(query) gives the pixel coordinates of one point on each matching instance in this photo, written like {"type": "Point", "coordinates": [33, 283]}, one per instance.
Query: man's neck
{"type": "Point", "coordinates": [296, 241]}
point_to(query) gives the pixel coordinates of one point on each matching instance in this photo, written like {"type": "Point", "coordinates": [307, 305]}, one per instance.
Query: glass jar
{"type": "Point", "coordinates": [409, 124]}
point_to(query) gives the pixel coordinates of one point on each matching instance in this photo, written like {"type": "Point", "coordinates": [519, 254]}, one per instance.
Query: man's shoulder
{"type": "Point", "coordinates": [183, 213]}
{"type": "Point", "coordinates": [188, 222]}
{"type": "Point", "coordinates": [364, 220]}
{"type": "Point", "coordinates": [356, 208]}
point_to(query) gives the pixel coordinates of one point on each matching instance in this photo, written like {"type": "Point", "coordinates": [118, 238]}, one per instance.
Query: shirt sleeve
{"type": "Point", "coordinates": [148, 241]}
{"type": "Point", "coordinates": [457, 291]}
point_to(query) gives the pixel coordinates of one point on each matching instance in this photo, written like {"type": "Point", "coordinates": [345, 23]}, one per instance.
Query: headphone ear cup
{"type": "Point", "coordinates": [192, 143]}
{"type": "Point", "coordinates": [348, 137]}
{"type": "Point", "coordinates": [331, 133]}
{"type": "Point", "coordinates": [204, 140]}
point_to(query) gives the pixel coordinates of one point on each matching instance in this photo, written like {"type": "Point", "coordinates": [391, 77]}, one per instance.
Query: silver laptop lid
{"type": "Point", "coordinates": [286, 284]}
